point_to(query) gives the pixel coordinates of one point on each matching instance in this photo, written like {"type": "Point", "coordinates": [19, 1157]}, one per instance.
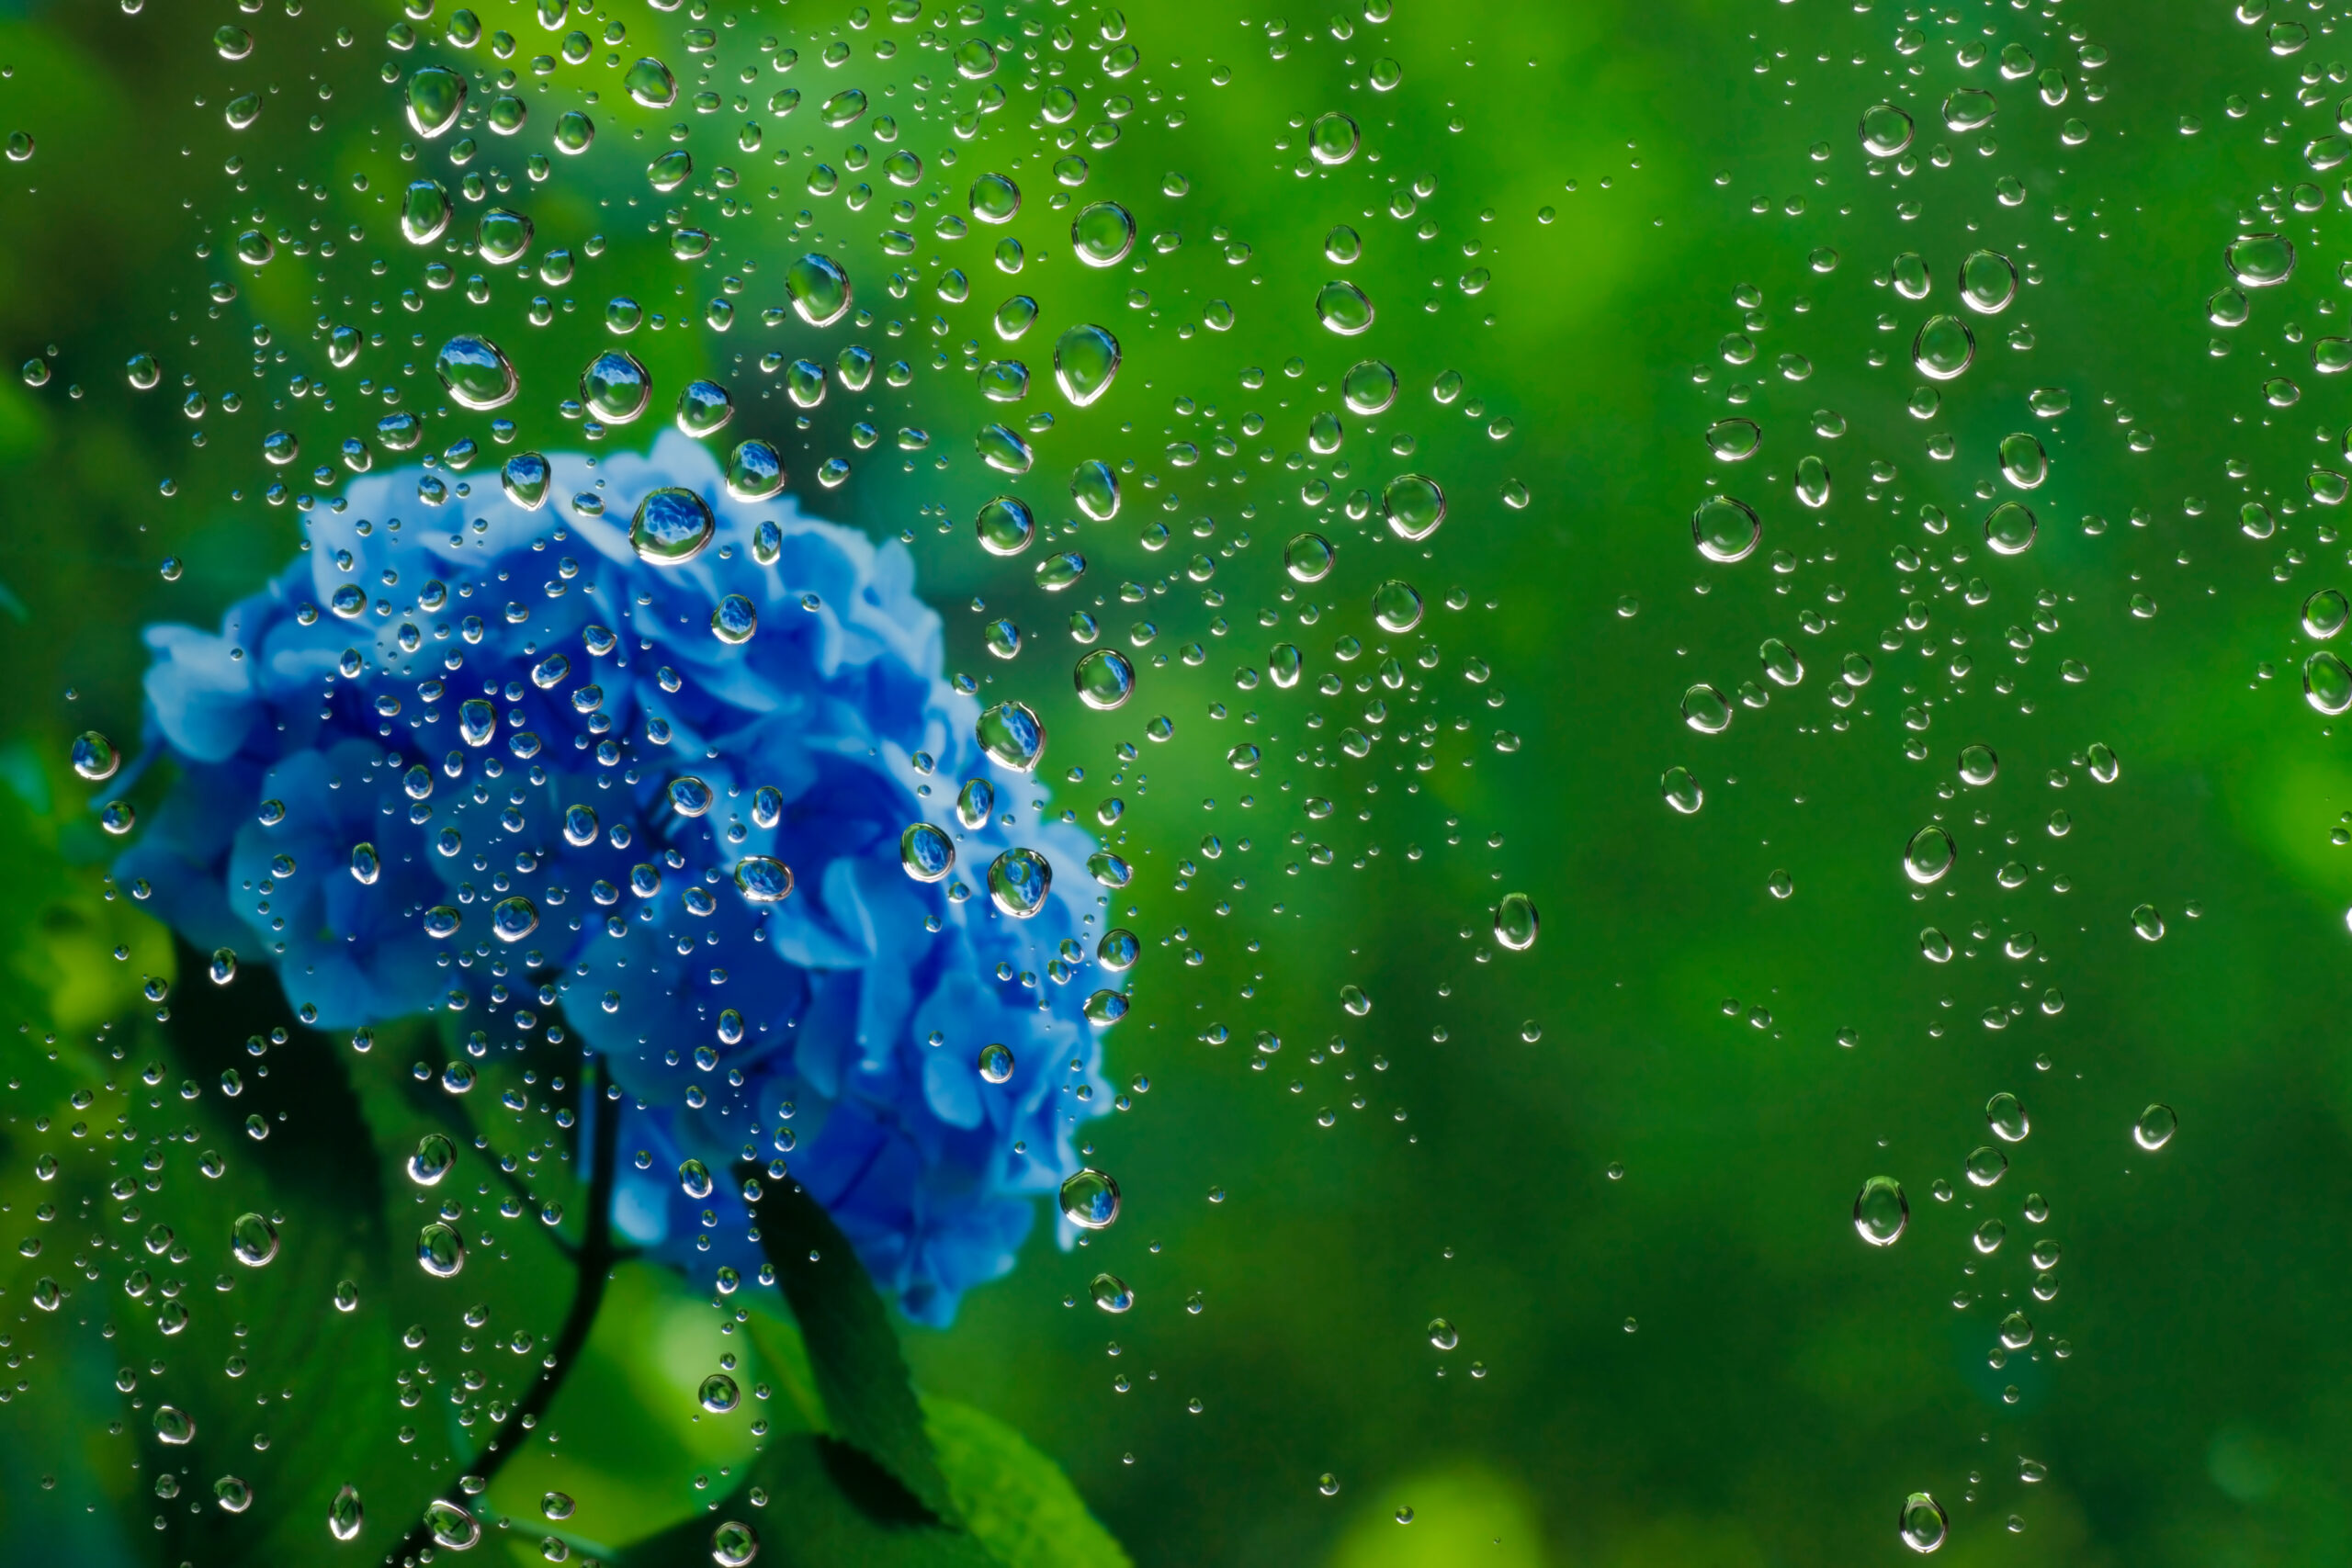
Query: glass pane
{"type": "Point", "coordinates": [1015, 783]}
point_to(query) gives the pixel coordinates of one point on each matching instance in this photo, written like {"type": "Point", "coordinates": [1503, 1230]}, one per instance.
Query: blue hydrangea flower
{"type": "Point", "coordinates": [478, 756]}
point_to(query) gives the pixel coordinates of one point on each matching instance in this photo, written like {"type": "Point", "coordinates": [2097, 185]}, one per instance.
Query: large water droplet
{"type": "Point", "coordinates": [818, 290]}
{"type": "Point", "coordinates": [1943, 349]}
{"type": "Point", "coordinates": [440, 1251]}
{"type": "Point", "coordinates": [995, 198]}
{"type": "Point", "coordinates": [1881, 1210]}
{"type": "Point", "coordinates": [1922, 1524]}
{"type": "Point", "coordinates": [615, 387]}
{"type": "Point", "coordinates": [1090, 1198]}
{"type": "Point", "coordinates": [1988, 281]}
{"type": "Point", "coordinates": [1103, 234]}
{"type": "Point", "coordinates": [671, 527]}
{"type": "Point", "coordinates": [513, 919]}
{"type": "Point", "coordinates": [2261, 261]}
{"type": "Point", "coordinates": [650, 83]}
{"type": "Point", "coordinates": [1012, 735]}
{"type": "Point", "coordinates": [435, 96]}
{"type": "Point", "coordinates": [926, 853]}
{"type": "Point", "coordinates": [435, 1156]}
{"type": "Point", "coordinates": [1104, 678]}
{"type": "Point", "coordinates": [1884, 130]}
{"type": "Point", "coordinates": [96, 759]}
{"type": "Point", "coordinates": [2009, 529]}
{"type": "Point", "coordinates": [1415, 505]}
{"type": "Point", "coordinates": [762, 879]}
{"type": "Point", "coordinates": [1342, 307]}
{"type": "Point", "coordinates": [1929, 855]}
{"type": "Point", "coordinates": [425, 211]}
{"type": "Point", "coordinates": [1332, 139]}
{"type": "Point", "coordinates": [475, 373]}
{"type": "Point", "coordinates": [1516, 921]}
{"type": "Point", "coordinates": [1724, 529]}
{"type": "Point", "coordinates": [1019, 881]}
{"type": "Point", "coordinates": [1085, 361]}
{"type": "Point", "coordinates": [345, 1516]}
{"type": "Point", "coordinates": [1005, 526]}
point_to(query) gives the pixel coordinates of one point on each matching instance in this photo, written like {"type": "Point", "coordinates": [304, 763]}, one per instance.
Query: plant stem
{"type": "Point", "coordinates": [596, 1257]}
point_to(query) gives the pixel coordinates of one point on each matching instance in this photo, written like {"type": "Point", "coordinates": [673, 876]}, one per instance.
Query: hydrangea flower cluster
{"type": "Point", "coordinates": [654, 762]}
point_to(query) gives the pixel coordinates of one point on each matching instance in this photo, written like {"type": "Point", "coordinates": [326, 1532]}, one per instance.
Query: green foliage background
{"type": "Point", "coordinates": [1622, 1163]}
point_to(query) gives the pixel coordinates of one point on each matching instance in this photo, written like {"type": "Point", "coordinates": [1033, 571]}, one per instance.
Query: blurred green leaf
{"type": "Point", "coordinates": [1013, 1499]}
{"type": "Point", "coordinates": [828, 1505]}
{"type": "Point", "coordinates": [853, 1350]}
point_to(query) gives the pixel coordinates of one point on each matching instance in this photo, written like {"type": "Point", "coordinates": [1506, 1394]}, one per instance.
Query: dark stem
{"type": "Point", "coordinates": [596, 1257]}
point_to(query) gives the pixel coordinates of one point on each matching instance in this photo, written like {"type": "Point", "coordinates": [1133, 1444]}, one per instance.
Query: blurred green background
{"type": "Point", "coordinates": [1621, 1164]}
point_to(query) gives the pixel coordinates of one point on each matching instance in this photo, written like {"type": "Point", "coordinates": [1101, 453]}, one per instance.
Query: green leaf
{"type": "Point", "coordinates": [1015, 1499]}
{"type": "Point", "coordinates": [827, 1505]}
{"type": "Point", "coordinates": [852, 1350]}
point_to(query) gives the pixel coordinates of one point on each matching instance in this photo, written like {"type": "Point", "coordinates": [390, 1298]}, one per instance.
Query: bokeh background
{"type": "Point", "coordinates": [1621, 1164]}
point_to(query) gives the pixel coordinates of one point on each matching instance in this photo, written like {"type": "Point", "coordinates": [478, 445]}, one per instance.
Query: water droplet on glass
{"type": "Point", "coordinates": [1090, 1198]}
{"type": "Point", "coordinates": [433, 1158]}
{"type": "Point", "coordinates": [93, 756]}
{"type": "Point", "coordinates": [1342, 307]}
{"type": "Point", "coordinates": [451, 1525]}
{"type": "Point", "coordinates": [2009, 529]}
{"type": "Point", "coordinates": [2005, 1113]}
{"type": "Point", "coordinates": [1369, 386]}
{"type": "Point", "coordinates": [1104, 678]}
{"type": "Point", "coordinates": [818, 290]}
{"type": "Point", "coordinates": [615, 387]}
{"type": "Point", "coordinates": [995, 1063]}
{"type": "Point", "coordinates": [1414, 504]}
{"type": "Point", "coordinates": [435, 95]}
{"type": "Point", "coordinates": [2327, 682]}
{"type": "Point", "coordinates": [1680, 790]}
{"type": "Point", "coordinates": [1705, 709]}
{"type": "Point", "coordinates": [1978, 766]}
{"type": "Point", "coordinates": [425, 211]}
{"type": "Point", "coordinates": [704, 409]}
{"type": "Point", "coordinates": [1929, 855]}
{"type": "Point", "coordinates": [1095, 488]}
{"type": "Point", "coordinates": [650, 83]}
{"type": "Point", "coordinates": [1085, 361]}
{"type": "Point", "coordinates": [671, 527]}
{"type": "Point", "coordinates": [1018, 880]}
{"type": "Point", "coordinates": [1111, 1294]}
{"type": "Point", "coordinates": [1103, 234]}
{"type": "Point", "coordinates": [734, 1543]}
{"type": "Point", "coordinates": [474, 372]}
{"type": "Point", "coordinates": [1881, 1210]}
{"type": "Point", "coordinates": [2261, 261]}
{"type": "Point", "coordinates": [1943, 349]}
{"type": "Point", "coordinates": [1012, 735]}
{"type": "Point", "coordinates": [253, 1239]}
{"type": "Point", "coordinates": [1884, 130]}
{"type": "Point", "coordinates": [1307, 557]}
{"type": "Point", "coordinates": [2023, 462]}
{"type": "Point", "coordinates": [513, 919]}
{"type": "Point", "coordinates": [927, 854]}
{"type": "Point", "coordinates": [440, 1251]}
{"type": "Point", "coordinates": [1922, 1524]}
{"type": "Point", "coordinates": [1396, 606]}
{"type": "Point", "coordinates": [1005, 526]}
{"type": "Point", "coordinates": [995, 198]}
{"type": "Point", "coordinates": [2153, 1131]}
{"type": "Point", "coordinates": [345, 1516]}
{"type": "Point", "coordinates": [719, 1394]}
{"type": "Point", "coordinates": [1724, 529]}
{"type": "Point", "coordinates": [1516, 921]}
{"type": "Point", "coordinates": [1988, 281]}
{"type": "Point", "coordinates": [2323, 616]}
{"type": "Point", "coordinates": [1733, 440]}
{"type": "Point", "coordinates": [2147, 922]}
{"type": "Point", "coordinates": [762, 879]}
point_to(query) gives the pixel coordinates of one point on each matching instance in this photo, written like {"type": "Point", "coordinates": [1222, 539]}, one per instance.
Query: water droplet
{"type": "Point", "coordinates": [927, 854]}
{"type": "Point", "coordinates": [1018, 880]}
{"type": "Point", "coordinates": [671, 527]}
{"type": "Point", "coordinates": [253, 1239]}
{"type": "Point", "coordinates": [1332, 139]}
{"type": "Point", "coordinates": [1085, 361]}
{"type": "Point", "coordinates": [451, 1525]}
{"type": "Point", "coordinates": [95, 757]}
{"type": "Point", "coordinates": [233, 1494]}
{"type": "Point", "coordinates": [818, 290]}
{"type": "Point", "coordinates": [1415, 506]}
{"type": "Point", "coordinates": [1005, 526]}
{"type": "Point", "coordinates": [175, 1426]}
{"type": "Point", "coordinates": [2147, 922]}
{"type": "Point", "coordinates": [440, 1251]}
{"type": "Point", "coordinates": [1929, 855]}
{"type": "Point", "coordinates": [232, 43]}
{"type": "Point", "coordinates": [2023, 462]}
{"type": "Point", "coordinates": [425, 211]}
{"type": "Point", "coordinates": [2327, 682]}
{"type": "Point", "coordinates": [1103, 234]}
{"type": "Point", "coordinates": [1369, 386]}
{"type": "Point", "coordinates": [2009, 529]}
{"type": "Point", "coordinates": [1705, 709]}
{"type": "Point", "coordinates": [1516, 921]}
{"type": "Point", "coordinates": [1014, 317]}
{"type": "Point", "coordinates": [1943, 349]}
{"type": "Point", "coordinates": [1680, 790]}
{"type": "Point", "coordinates": [2261, 261]}
{"type": "Point", "coordinates": [1012, 735]}
{"type": "Point", "coordinates": [474, 372]}
{"type": "Point", "coordinates": [1090, 1198]}
{"type": "Point", "coordinates": [1884, 130]}
{"type": "Point", "coordinates": [650, 83]}
{"type": "Point", "coordinates": [1881, 1210]}
{"type": "Point", "coordinates": [1309, 558]}
{"type": "Point", "coordinates": [1111, 1294]}
{"type": "Point", "coordinates": [842, 108]}
{"type": "Point", "coordinates": [1735, 440]}
{"type": "Point", "coordinates": [1813, 482]}
{"type": "Point", "coordinates": [754, 471]}
{"type": "Point", "coordinates": [1978, 766]}
{"type": "Point", "coordinates": [435, 95]}
{"type": "Point", "coordinates": [502, 237]}
{"type": "Point", "coordinates": [734, 1543]}
{"type": "Point", "coordinates": [1342, 246]}
{"type": "Point", "coordinates": [719, 1394]}
{"type": "Point", "coordinates": [1396, 606]}
{"type": "Point", "coordinates": [1988, 281]}
{"type": "Point", "coordinates": [615, 387]}
{"type": "Point", "coordinates": [1968, 109]}
{"type": "Point", "coordinates": [1725, 529]}
{"type": "Point", "coordinates": [995, 198]}
{"type": "Point", "coordinates": [762, 879]}
{"type": "Point", "coordinates": [1104, 678]}
{"type": "Point", "coordinates": [2152, 1131]}
{"type": "Point", "coordinates": [704, 409]}
{"type": "Point", "coordinates": [1443, 1334]}
{"type": "Point", "coordinates": [1922, 1524]}
{"type": "Point", "coordinates": [433, 1158]}
{"type": "Point", "coordinates": [1781, 662]}
{"type": "Point", "coordinates": [1095, 488]}
{"type": "Point", "coordinates": [345, 1516]}
{"type": "Point", "coordinates": [1342, 307]}
{"type": "Point", "coordinates": [2005, 1113]}
{"type": "Point", "coordinates": [995, 1063]}
{"type": "Point", "coordinates": [513, 919]}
